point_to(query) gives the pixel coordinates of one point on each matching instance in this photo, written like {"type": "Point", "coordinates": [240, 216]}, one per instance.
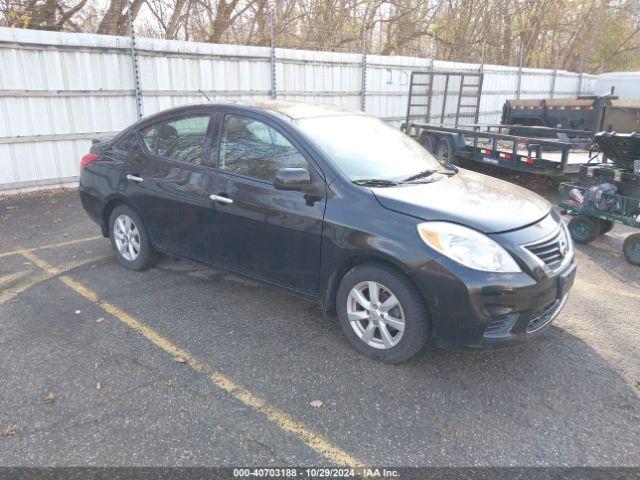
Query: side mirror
{"type": "Point", "coordinates": [292, 179]}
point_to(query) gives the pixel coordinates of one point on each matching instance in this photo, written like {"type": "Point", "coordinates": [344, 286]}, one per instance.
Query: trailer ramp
{"type": "Point", "coordinates": [444, 97]}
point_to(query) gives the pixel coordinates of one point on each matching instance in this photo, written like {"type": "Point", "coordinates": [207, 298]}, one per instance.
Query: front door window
{"type": "Point", "coordinates": [253, 149]}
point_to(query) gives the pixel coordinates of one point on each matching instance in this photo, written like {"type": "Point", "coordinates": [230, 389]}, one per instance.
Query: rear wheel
{"type": "Point", "coordinates": [631, 248]}
{"type": "Point", "coordinates": [382, 313]}
{"type": "Point", "coordinates": [129, 239]}
{"type": "Point", "coordinates": [605, 226]}
{"type": "Point", "coordinates": [445, 151]}
{"type": "Point", "coordinates": [583, 229]}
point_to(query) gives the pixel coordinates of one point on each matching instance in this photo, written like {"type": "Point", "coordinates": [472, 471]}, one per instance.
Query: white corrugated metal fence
{"type": "Point", "coordinates": [58, 90]}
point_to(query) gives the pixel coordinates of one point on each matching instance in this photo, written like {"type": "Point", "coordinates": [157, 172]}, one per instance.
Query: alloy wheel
{"type": "Point", "coordinates": [127, 237]}
{"type": "Point", "coordinates": [376, 315]}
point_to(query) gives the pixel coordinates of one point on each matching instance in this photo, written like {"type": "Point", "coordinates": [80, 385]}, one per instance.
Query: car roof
{"type": "Point", "coordinates": [299, 110]}
{"type": "Point", "coordinates": [290, 111]}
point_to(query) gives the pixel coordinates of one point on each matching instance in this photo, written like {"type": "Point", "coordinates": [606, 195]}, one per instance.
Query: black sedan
{"type": "Point", "coordinates": [337, 206]}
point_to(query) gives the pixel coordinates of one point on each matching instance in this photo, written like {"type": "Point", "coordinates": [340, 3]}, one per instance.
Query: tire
{"type": "Point", "coordinates": [583, 229]}
{"type": "Point", "coordinates": [428, 142]}
{"type": "Point", "coordinates": [146, 255]}
{"type": "Point", "coordinates": [401, 344]}
{"type": "Point", "coordinates": [631, 248]}
{"type": "Point", "coordinates": [445, 151]}
{"type": "Point", "coordinates": [605, 226]}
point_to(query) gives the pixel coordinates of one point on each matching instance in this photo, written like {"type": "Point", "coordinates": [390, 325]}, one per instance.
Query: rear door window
{"type": "Point", "coordinates": [182, 139]}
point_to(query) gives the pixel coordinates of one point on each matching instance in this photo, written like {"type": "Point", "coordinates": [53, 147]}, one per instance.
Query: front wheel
{"type": "Point", "coordinates": [583, 229]}
{"type": "Point", "coordinates": [631, 248]}
{"type": "Point", "coordinates": [382, 313]}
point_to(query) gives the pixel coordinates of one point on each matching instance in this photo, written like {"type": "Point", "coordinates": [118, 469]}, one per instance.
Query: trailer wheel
{"type": "Point", "coordinates": [583, 229]}
{"type": "Point", "coordinates": [605, 226]}
{"type": "Point", "coordinates": [446, 151]}
{"type": "Point", "coordinates": [631, 248]}
{"type": "Point", "coordinates": [428, 142]}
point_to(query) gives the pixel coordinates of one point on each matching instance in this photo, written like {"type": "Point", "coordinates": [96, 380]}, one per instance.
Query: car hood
{"type": "Point", "coordinates": [468, 198]}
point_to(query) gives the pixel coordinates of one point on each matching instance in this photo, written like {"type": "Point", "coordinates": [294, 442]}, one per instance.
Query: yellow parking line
{"type": "Point", "coordinates": [11, 293]}
{"type": "Point", "coordinates": [5, 279]}
{"type": "Point", "coordinates": [49, 246]}
{"type": "Point", "coordinates": [282, 420]}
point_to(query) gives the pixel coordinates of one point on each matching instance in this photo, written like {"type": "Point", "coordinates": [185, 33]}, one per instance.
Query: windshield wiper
{"type": "Point", "coordinates": [375, 182]}
{"type": "Point", "coordinates": [427, 173]}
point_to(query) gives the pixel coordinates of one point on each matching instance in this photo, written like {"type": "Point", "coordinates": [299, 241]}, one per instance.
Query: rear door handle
{"type": "Point", "coordinates": [134, 178]}
{"type": "Point", "coordinates": [220, 198]}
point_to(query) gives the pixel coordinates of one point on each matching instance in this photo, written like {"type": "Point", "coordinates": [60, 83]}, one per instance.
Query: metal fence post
{"type": "Point", "coordinates": [363, 95]}
{"type": "Point", "coordinates": [519, 87]}
{"type": "Point", "coordinates": [554, 75]}
{"type": "Point", "coordinates": [272, 47]}
{"type": "Point", "coordinates": [134, 62]}
{"type": "Point", "coordinates": [581, 75]}
{"type": "Point", "coordinates": [432, 50]}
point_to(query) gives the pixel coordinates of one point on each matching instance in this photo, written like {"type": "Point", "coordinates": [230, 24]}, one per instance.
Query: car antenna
{"type": "Point", "coordinates": [204, 95]}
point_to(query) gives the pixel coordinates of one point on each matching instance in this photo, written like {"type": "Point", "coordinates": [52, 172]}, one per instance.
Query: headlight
{"type": "Point", "coordinates": [467, 247]}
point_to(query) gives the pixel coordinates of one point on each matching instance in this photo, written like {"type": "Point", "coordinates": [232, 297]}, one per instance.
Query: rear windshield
{"type": "Point", "coordinates": [364, 147]}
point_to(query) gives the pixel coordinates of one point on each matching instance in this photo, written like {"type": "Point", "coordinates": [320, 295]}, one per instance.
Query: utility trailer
{"type": "Point", "coordinates": [535, 149]}
{"type": "Point", "coordinates": [527, 153]}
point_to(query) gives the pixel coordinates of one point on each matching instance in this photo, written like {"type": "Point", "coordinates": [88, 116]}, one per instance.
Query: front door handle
{"type": "Point", "coordinates": [220, 198]}
{"type": "Point", "coordinates": [134, 178]}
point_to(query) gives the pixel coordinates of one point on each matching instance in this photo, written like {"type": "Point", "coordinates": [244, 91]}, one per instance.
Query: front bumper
{"type": "Point", "coordinates": [476, 309]}
{"type": "Point", "coordinates": [469, 311]}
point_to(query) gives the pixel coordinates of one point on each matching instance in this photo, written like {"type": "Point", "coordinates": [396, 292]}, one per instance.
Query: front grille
{"type": "Point", "coordinates": [551, 250]}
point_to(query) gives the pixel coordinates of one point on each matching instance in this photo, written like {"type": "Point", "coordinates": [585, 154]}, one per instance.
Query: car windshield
{"type": "Point", "coordinates": [366, 148]}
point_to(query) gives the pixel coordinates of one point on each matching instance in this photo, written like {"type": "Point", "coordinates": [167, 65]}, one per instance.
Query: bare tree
{"type": "Point", "coordinates": [42, 15]}
{"type": "Point", "coordinates": [553, 32]}
{"type": "Point", "coordinates": [115, 20]}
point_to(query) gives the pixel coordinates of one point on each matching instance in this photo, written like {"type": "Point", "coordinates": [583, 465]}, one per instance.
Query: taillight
{"type": "Point", "coordinates": [89, 158]}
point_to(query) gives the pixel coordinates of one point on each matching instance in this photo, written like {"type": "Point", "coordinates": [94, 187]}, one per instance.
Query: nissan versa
{"type": "Point", "coordinates": [338, 206]}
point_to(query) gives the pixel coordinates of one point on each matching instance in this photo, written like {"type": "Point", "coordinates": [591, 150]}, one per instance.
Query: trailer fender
{"type": "Point", "coordinates": [456, 138]}
{"type": "Point", "coordinates": [458, 141]}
